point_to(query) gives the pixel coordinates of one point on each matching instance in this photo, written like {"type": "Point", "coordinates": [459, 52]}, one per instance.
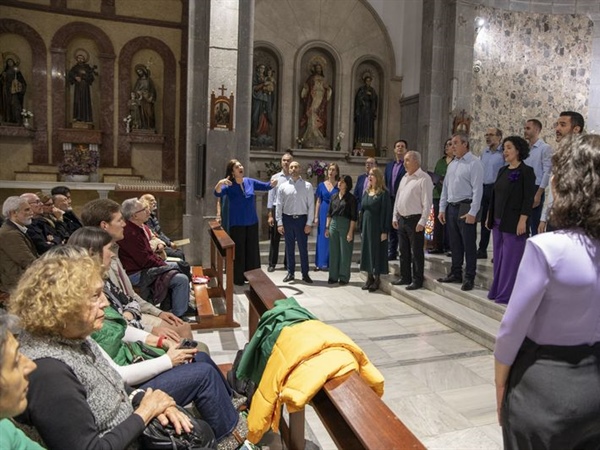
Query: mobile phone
{"type": "Point", "coordinates": [187, 344]}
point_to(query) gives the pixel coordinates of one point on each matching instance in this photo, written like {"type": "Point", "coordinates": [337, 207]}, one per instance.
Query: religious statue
{"type": "Point", "coordinates": [146, 93]}
{"type": "Point", "coordinates": [13, 87]}
{"type": "Point", "coordinates": [133, 104]}
{"type": "Point", "coordinates": [316, 94]}
{"type": "Point", "coordinates": [365, 112]}
{"type": "Point", "coordinates": [81, 76]}
{"type": "Point", "coordinates": [263, 104]}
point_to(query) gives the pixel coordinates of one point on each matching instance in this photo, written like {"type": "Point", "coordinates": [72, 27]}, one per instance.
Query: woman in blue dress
{"type": "Point", "coordinates": [243, 220]}
{"type": "Point", "coordinates": [325, 191]}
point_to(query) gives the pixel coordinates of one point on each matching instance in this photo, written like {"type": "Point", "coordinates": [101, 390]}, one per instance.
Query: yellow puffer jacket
{"type": "Point", "coordinates": [303, 359]}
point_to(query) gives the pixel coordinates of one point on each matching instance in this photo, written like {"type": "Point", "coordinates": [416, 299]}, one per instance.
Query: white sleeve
{"type": "Point", "coordinates": [138, 373]}
{"type": "Point", "coordinates": [133, 334]}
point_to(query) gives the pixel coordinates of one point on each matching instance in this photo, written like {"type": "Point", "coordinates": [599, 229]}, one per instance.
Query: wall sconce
{"type": "Point", "coordinates": [479, 23]}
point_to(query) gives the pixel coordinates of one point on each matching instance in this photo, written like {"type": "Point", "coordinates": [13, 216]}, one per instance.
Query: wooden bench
{"type": "Point", "coordinates": [354, 416]}
{"type": "Point", "coordinates": [214, 301]}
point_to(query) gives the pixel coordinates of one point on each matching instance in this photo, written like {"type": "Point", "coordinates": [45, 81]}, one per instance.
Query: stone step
{"type": "Point", "coordinates": [473, 324]}
{"type": "Point", "coordinates": [441, 264]}
{"type": "Point", "coordinates": [120, 178]}
{"type": "Point", "coordinates": [36, 176]}
{"type": "Point", "coordinates": [115, 171]}
{"type": "Point", "coordinates": [43, 168]}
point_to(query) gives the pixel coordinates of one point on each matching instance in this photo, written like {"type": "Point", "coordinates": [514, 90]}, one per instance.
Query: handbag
{"type": "Point", "coordinates": [158, 437]}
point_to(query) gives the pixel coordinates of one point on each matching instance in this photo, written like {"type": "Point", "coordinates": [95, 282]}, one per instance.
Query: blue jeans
{"type": "Point", "coordinates": [200, 382]}
{"type": "Point", "coordinates": [179, 286]}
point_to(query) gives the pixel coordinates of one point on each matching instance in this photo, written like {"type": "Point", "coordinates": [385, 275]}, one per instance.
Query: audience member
{"type": "Point", "coordinates": [243, 219]}
{"type": "Point", "coordinates": [17, 250]}
{"type": "Point", "coordinates": [106, 214]}
{"type": "Point", "coordinates": [41, 231]}
{"type": "Point", "coordinates": [569, 122]}
{"type": "Point", "coordinates": [60, 303]}
{"type": "Point", "coordinates": [376, 222]}
{"type": "Point", "coordinates": [411, 210]}
{"type": "Point", "coordinates": [295, 208]}
{"type": "Point", "coordinates": [362, 183]}
{"type": "Point", "coordinates": [71, 220]}
{"type": "Point", "coordinates": [508, 217]}
{"type": "Point", "coordinates": [548, 347]}
{"type": "Point", "coordinates": [441, 243]}
{"type": "Point", "coordinates": [274, 236]}
{"type": "Point", "coordinates": [459, 208]}
{"type": "Point", "coordinates": [15, 369]}
{"type": "Point", "coordinates": [394, 171]}
{"type": "Point", "coordinates": [540, 159]}
{"type": "Point", "coordinates": [339, 228]}
{"type": "Point", "coordinates": [154, 225]}
{"type": "Point", "coordinates": [54, 218]}
{"type": "Point", "coordinates": [492, 161]}
{"type": "Point", "coordinates": [325, 190]}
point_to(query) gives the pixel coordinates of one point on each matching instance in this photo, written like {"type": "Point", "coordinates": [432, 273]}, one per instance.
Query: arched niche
{"type": "Point", "coordinates": [164, 74]}
{"type": "Point", "coordinates": [266, 98]}
{"type": "Point", "coordinates": [367, 95]}
{"type": "Point", "coordinates": [318, 96]}
{"type": "Point", "coordinates": [35, 72]}
{"type": "Point", "coordinates": [62, 42]}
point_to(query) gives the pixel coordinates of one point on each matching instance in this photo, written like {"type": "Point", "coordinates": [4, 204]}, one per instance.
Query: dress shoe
{"type": "Point", "coordinates": [450, 279]}
{"type": "Point", "coordinates": [481, 255]}
{"type": "Point", "coordinates": [413, 286]}
{"type": "Point", "coordinates": [343, 283]}
{"type": "Point", "coordinates": [435, 252]}
{"type": "Point", "coordinates": [288, 277]}
{"type": "Point", "coordinates": [400, 282]}
{"type": "Point", "coordinates": [375, 285]}
{"type": "Point", "coordinates": [307, 279]}
{"type": "Point", "coordinates": [271, 269]}
{"type": "Point", "coordinates": [449, 254]}
{"type": "Point", "coordinates": [368, 283]}
{"type": "Point", "coordinates": [330, 281]}
{"type": "Point", "coordinates": [467, 285]}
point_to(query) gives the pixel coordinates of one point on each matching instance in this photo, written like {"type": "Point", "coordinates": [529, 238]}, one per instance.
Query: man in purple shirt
{"type": "Point", "coordinates": [394, 171]}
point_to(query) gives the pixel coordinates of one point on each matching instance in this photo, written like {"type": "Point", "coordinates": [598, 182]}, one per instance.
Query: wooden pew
{"type": "Point", "coordinates": [354, 416]}
{"type": "Point", "coordinates": [222, 254]}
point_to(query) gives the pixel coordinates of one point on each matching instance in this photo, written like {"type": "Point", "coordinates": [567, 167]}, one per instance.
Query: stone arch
{"type": "Point", "coordinates": [266, 53]}
{"type": "Point", "coordinates": [106, 75]}
{"type": "Point", "coordinates": [374, 64]}
{"type": "Point", "coordinates": [38, 90]}
{"type": "Point", "coordinates": [168, 101]}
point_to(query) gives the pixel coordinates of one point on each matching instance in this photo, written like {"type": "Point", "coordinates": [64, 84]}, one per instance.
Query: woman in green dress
{"type": "Point", "coordinates": [376, 208]}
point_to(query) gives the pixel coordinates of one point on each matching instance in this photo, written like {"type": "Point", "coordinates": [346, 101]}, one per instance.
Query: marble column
{"type": "Point", "coordinates": [219, 53]}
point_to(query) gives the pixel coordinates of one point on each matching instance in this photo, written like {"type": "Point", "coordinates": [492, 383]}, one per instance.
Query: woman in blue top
{"type": "Point", "coordinates": [243, 220]}
{"type": "Point", "coordinates": [325, 191]}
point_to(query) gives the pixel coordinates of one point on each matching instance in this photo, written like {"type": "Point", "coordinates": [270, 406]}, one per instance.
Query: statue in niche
{"type": "Point", "coordinates": [316, 94]}
{"type": "Point", "coordinates": [13, 87]}
{"type": "Point", "coordinates": [365, 112]}
{"type": "Point", "coordinates": [81, 76]}
{"type": "Point", "coordinates": [134, 121]}
{"type": "Point", "coordinates": [263, 105]}
{"type": "Point", "coordinates": [146, 93]}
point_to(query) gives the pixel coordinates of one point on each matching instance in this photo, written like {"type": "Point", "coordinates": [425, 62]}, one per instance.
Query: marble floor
{"type": "Point", "coordinates": [438, 382]}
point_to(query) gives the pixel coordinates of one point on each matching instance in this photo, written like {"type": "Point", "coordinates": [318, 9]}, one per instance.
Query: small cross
{"type": "Point", "coordinates": [222, 89]}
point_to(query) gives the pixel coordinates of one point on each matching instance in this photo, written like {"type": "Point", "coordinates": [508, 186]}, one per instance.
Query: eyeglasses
{"type": "Point", "coordinates": [140, 210]}
{"type": "Point", "coordinates": [48, 204]}
{"type": "Point", "coordinates": [35, 202]}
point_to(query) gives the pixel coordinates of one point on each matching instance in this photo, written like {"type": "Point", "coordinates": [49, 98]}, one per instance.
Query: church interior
{"type": "Point", "coordinates": [117, 98]}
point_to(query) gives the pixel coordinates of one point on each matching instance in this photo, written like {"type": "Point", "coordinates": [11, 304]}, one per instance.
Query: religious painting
{"type": "Point", "coordinates": [221, 110]}
{"type": "Point", "coordinates": [366, 107]}
{"type": "Point", "coordinates": [316, 106]}
{"type": "Point", "coordinates": [263, 132]}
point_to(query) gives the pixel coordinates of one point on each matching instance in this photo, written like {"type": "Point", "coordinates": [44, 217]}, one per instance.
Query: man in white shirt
{"type": "Point", "coordinates": [274, 236]}
{"type": "Point", "coordinates": [295, 211]}
{"type": "Point", "coordinates": [411, 210]}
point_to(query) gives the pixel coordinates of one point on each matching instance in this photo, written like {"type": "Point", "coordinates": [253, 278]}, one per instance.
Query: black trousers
{"type": "Point", "coordinates": [463, 243]}
{"type": "Point", "coordinates": [484, 239]}
{"type": "Point", "coordinates": [536, 215]}
{"type": "Point", "coordinates": [274, 239]}
{"type": "Point", "coordinates": [392, 238]}
{"type": "Point", "coordinates": [411, 249]}
{"type": "Point", "coordinates": [247, 253]}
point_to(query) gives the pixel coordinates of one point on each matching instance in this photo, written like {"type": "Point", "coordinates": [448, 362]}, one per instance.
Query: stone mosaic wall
{"type": "Point", "coordinates": [532, 66]}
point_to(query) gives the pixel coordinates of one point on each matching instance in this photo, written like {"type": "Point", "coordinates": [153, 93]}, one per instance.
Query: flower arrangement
{"type": "Point", "coordinates": [318, 168]}
{"type": "Point", "coordinates": [272, 168]}
{"type": "Point", "coordinates": [26, 114]}
{"type": "Point", "coordinates": [79, 160]}
{"type": "Point", "coordinates": [338, 141]}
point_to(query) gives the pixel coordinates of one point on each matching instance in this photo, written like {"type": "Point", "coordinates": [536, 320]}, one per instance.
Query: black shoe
{"type": "Point", "coordinates": [450, 279]}
{"type": "Point", "coordinates": [449, 254]}
{"type": "Point", "coordinates": [307, 279]}
{"type": "Point", "coordinates": [189, 319]}
{"type": "Point", "coordinates": [375, 285]}
{"type": "Point", "coordinates": [400, 282]}
{"type": "Point", "coordinates": [481, 255]}
{"type": "Point", "coordinates": [271, 269]}
{"type": "Point", "coordinates": [467, 285]}
{"type": "Point", "coordinates": [392, 257]}
{"type": "Point", "coordinates": [368, 283]}
{"type": "Point", "coordinates": [413, 286]}
{"type": "Point", "coordinates": [317, 269]}
{"type": "Point", "coordinates": [343, 283]}
{"type": "Point", "coordinates": [436, 252]}
{"type": "Point", "coordinates": [288, 277]}
{"type": "Point", "coordinates": [330, 281]}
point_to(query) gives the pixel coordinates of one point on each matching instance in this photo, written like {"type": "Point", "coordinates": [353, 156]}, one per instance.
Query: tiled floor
{"type": "Point", "coordinates": [439, 383]}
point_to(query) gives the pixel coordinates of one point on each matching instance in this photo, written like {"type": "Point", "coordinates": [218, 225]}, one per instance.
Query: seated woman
{"type": "Point", "coordinates": [201, 383]}
{"type": "Point", "coordinates": [14, 380]}
{"type": "Point", "coordinates": [76, 399]}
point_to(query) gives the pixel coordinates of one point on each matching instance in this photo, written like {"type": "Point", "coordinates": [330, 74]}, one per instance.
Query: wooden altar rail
{"type": "Point", "coordinates": [355, 417]}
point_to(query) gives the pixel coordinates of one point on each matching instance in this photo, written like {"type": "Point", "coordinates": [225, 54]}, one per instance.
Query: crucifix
{"type": "Point", "coordinates": [222, 89]}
